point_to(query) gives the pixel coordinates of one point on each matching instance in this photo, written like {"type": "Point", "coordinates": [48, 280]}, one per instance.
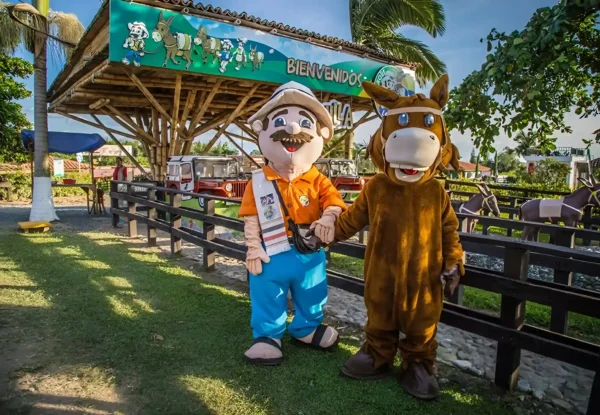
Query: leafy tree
{"type": "Point", "coordinates": [36, 27]}
{"type": "Point", "coordinates": [222, 149]}
{"type": "Point", "coordinates": [12, 119]}
{"type": "Point", "coordinates": [375, 23]}
{"type": "Point", "coordinates": [255, 152]}
{"type": "Point", "coordinates": [508, 161]}
{"type": "Point", "coordinates": [532, 77]}
{"type": "Point", "coordinates": [473, 158]}
{"type": "Point", "coordinates": [551, 172]}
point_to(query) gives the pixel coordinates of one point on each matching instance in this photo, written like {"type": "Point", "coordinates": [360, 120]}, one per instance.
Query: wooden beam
{"type": "Point", "coordinates": [147, 94]}
{"type": "Point", "coordinates": [226, 134]}
{"type": "Point", "coordinates": [126, 119]}
{"type": "Point", "coordinates": [106, 130]}
{"type": "Point", "coordinates": [99, 103]}
{"type": "Point", "coordinates": [248, 139]}
{"type": "Point", "coordinates": [219, 119]}
{"type": "Point", "coordinates": [229, 119]}
{"type": "Point", "coordinates": [91, 124]}
{"type": "Point", "coordinates": [365, 118]}
{"type": "Point", "coordinates": [189, 103]}
{"type": "Point", "coordinates": [164, 146]}
{"type": "Point", "coordinates": [246, 129]}
{"type": "Point", "coordinates": [198, 116]}
{"type": "Point", "coordinates": [175, 115]}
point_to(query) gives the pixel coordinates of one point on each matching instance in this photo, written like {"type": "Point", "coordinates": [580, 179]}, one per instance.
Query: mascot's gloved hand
{"type": "Point", "coordinates": [256, 254]}
{"type": "Point", "coordinates": [325, 227]}
{"type": "Point", "coordinates": [450, 279]}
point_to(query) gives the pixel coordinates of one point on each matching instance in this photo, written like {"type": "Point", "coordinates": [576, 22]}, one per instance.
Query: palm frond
{"type": "Point", "coordinates": [393, 14]}
{"type": "Point", "coordinates": [430, 66]}
{"type": "Point", "coordinates": [66, 27]}
{"type": "Point", "coordinates": [12, 32]}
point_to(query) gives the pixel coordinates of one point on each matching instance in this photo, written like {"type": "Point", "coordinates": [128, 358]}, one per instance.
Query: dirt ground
{"type": "Point", "coordinates": [32, 383]}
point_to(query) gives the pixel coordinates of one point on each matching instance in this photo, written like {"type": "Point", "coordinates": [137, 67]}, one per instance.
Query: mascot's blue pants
{"type": "Point", "coordinates": [305, 276]}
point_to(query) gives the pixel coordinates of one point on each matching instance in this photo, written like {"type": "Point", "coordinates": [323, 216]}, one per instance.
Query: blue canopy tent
{"type": "Point", "coordinates": [66, 143]}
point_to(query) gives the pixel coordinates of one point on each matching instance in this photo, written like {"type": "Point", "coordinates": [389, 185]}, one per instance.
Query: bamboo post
{"type": "Point", "coordinates": [91, 124]}
{"type": "Point", "coordinates": [175, 116]}
{"type": "Point", "coordinates": [164, 145]}
{"type": "Point", "coordinates": [226, 134]}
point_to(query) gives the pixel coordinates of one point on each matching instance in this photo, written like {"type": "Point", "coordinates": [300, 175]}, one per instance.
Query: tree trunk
{"type": "Point", "coordinates": [42, 207]}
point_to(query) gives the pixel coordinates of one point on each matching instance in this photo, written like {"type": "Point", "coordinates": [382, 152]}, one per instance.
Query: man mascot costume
{"type": "Point", "coordinates": [413, 250]}
{"type": "Point", "coordinates": [292, 126]}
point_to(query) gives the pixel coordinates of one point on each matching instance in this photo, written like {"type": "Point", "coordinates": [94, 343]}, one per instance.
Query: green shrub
{"type": "Point", "coordinates": [21, 185]}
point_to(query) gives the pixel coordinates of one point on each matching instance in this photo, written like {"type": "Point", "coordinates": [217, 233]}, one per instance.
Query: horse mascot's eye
{"type": "Point", "coordinates": [403, 119]}
{"type": "Point", "coordinates": [429, 120]}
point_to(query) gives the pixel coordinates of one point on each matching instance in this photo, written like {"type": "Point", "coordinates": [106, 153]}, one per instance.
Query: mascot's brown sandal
{"type": "Point", "coordinates": [316, 340]}
{"type": "Point", "coordinates": [418, 382]}
{"type": "Point", "coordinates": [361, 366]}
{"type": "Point", "coordinates": [266, 362]}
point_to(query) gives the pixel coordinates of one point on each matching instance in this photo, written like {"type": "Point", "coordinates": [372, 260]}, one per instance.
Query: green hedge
{"type": "Point", "coordinates": [507, 192]}
{"type": "Point", "coordinates": [21, 185]}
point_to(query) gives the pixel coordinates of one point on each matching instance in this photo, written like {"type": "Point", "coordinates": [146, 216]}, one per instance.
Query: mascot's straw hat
{"type": "Point", "coordinates": [293, 93]}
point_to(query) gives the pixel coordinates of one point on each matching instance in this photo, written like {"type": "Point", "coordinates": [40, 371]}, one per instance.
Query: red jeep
{"type": "Point", "coordinates": [219, 176]}
{"type": "Point", "coordinates": [342, 174]}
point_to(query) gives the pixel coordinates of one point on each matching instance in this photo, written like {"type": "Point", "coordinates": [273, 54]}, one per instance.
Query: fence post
{"type": "Point", "coordinates": [161, 197]}
{"type": "Point", "coordinates": [151, 216]}
{"type": "Point", "coordinates": [114, 203]}
{"type": "Point", "coordinates": [131, 223]}
{"type": "Point", "coordinates": [511, 215]}
{"type": "Point", "coordinates": [363, 237]}
{"type": "Point", "coordinates": [208, 229]}
{"type": "Point", "coordinates": [587, 217]}
{"type": "Point", "coordinates": [594, 402]}
{"type": "Point", "coordinates": [512, 315]}
{"type": "Point", "coordinates": [175, 202]}
{"type": "Point", "coordinates": [559, 320]}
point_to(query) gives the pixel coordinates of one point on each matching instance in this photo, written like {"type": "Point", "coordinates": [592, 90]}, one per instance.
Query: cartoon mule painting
{"type": "Point", "coordinates": [257, 58]}
{"type": "Point", "coordinates": [176, 44]}
{"type": "Point", "coordinates": [210, 45]}
{"type": "Point", "coordinates": [413, 255]}
{"type": "Point", "coordinates": [135, 43]}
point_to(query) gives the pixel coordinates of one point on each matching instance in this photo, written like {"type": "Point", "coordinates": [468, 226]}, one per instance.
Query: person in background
{"type": "Point", "coordinates": [120, 172]}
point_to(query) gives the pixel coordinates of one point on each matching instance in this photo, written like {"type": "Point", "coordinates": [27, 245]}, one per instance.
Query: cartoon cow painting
{"type": "Point", "coordinates": [177, 44]}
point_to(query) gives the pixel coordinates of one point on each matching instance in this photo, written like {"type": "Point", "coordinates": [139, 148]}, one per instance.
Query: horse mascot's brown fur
{"type": "Point", "coordinates": [413, 250]}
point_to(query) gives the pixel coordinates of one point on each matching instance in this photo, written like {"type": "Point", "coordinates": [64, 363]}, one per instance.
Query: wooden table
{"type": "Point", "coordinates": [87, 187]}
{"type": "Point", "coordinates": [8, 187]}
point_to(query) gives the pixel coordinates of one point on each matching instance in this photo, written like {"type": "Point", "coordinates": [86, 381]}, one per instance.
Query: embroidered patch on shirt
{"type": "Point", "coordinates": [304, 201]}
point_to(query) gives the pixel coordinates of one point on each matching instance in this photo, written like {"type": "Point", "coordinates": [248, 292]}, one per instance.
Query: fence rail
{"type": "Point", "coordinates": [513, 284]}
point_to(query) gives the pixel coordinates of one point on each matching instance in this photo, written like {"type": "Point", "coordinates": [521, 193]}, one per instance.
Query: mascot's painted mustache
{"type": "Point", "coordinates": [413, 255]}
{"type": "Point", "coordinates": [289, 209]}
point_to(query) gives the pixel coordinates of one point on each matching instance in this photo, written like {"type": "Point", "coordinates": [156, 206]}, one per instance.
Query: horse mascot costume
{"type": "Point", "coordinates": [413, 255]}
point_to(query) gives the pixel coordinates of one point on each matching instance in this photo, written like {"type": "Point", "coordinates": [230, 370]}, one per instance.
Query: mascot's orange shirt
{"type": "Point", "coordinates": [306, 197]}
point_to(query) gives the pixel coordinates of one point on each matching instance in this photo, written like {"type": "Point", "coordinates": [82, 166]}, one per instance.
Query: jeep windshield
{"type": "Point", "coordinates": [216, 169]}
{"type": "Point", "coordinates": [343, 168]}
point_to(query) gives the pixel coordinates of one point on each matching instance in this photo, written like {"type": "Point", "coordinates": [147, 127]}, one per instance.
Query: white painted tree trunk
{"type": "Point", "coordinates": [42, 207]}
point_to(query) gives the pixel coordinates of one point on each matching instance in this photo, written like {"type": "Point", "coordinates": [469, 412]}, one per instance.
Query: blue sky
{"type": "Point", "coordinates": [467, 22]}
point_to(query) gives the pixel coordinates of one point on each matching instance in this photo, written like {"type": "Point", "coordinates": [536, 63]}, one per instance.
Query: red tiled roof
{"type": "Point", "coordinates": [467, 166]}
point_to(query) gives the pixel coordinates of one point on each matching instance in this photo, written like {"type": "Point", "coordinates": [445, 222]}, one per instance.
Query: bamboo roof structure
{"type": "Point", "coordinates": [167, 109]}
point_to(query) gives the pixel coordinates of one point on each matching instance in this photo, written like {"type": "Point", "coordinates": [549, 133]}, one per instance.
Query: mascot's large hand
{"type": "Point", "coordinates": [256, 254]}
{"type": "Point", "coordinates": [450, 280]}
{"type": "Point", "coordinates": [324, 228]}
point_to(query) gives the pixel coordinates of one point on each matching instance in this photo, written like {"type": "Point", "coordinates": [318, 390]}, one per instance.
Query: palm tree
{"type": "Point", "coordinates": [374, 23]}
{"type": "Point", "coordinates": [36, 27]}
{"type": "Point", "coordinates": [532, 141]}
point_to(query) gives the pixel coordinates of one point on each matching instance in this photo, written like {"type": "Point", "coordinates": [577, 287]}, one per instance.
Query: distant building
{"type": "Point", "coordinates": [468, 170]}
{"type": "Point", "coordinates": [576, 158]}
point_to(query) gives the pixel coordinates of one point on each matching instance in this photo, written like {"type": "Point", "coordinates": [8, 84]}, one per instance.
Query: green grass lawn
{"type": "Point", "coordinates": [539, 315]}
{"type": "Point", "coordinates": [171, 341]}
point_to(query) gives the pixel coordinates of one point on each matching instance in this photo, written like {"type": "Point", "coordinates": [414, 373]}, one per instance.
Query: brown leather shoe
{"type": "Point", "coordinates": [362, 366]}
{"type": "Point", "coordinates": [417, 381]}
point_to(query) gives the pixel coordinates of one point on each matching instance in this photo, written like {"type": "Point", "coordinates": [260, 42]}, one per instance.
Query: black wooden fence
{"type": "Point", "coordinates": [513, 284]}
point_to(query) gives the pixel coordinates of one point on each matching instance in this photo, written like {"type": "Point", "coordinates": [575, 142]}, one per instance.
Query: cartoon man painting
{"type": "Point", "coordinates": [135, 43]}
{"type": "Point", "coordinates": [226, 47]}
